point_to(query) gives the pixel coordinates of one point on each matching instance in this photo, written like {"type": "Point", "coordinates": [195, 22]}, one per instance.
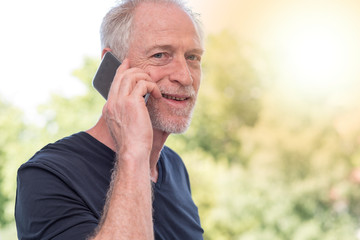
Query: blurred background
{"type": "Point", "coordinates": [273, 150]}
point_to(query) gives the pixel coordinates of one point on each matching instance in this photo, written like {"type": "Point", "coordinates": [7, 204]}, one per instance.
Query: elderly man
{"type": "Point", "coordinates": [117, 180]}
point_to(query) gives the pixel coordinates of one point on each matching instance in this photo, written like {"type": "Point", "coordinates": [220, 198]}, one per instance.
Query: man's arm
{"type": "Point", "coordinates": [128, 210]}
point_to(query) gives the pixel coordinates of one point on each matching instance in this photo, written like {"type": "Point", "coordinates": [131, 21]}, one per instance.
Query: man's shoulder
{"type": "Point", "coordinates": [59, 149]}
{"type": "Point", "coordinates": [170, 156]}
{"type": "Point", "coordinates": [69, 153]}
{"type": "Point", "coordinates": [170, 152]}
{"type": "Point", "coordinates": [171, 161]}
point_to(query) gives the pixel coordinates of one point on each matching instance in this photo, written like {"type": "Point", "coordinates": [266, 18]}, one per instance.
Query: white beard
{"type": "Point", "coordinates": [180, 119]}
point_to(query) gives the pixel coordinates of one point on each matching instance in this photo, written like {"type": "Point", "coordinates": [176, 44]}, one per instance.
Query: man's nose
{"type": "Point", "coordinates": [181, 72]}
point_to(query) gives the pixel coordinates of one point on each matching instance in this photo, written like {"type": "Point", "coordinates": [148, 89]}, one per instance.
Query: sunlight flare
{"type": "Point", "coordinates": [318, 51]}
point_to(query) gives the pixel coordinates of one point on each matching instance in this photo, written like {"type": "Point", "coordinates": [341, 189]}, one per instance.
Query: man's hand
{"type": "Point", "coordinates": [125, 111]}
{"type": "Point", "coordinates": [128, 209]}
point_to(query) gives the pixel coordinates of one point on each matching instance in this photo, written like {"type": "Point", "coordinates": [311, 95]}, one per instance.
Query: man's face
{"type": "Point", "coordinates": [165, 44]}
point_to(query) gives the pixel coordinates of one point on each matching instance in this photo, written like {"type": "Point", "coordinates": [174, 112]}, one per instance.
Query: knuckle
{"type": "Point", "coordinates": [108, 109]}
{"type": "Point", "coordinates": [119, 70]}
{"type": "Point", "coordinates": [142, 83]}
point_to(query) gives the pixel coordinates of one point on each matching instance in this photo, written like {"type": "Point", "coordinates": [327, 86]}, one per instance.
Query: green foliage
{"type": "Point", "coordinates": [289, 190]}
{"type": "Point", "coordinates": [65, 116]}
{"type": "Point", "coordinates": [14, 134]}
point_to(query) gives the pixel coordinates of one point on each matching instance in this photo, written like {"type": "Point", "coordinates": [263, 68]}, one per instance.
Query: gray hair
{"type": "Point", "coordinates": [116, 26]}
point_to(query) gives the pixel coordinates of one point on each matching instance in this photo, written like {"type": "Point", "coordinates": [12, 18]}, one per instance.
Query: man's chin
{"type": "Point", "coordinates": [172, 121]}
{"type": "Point", "coordinates": [172, 127]}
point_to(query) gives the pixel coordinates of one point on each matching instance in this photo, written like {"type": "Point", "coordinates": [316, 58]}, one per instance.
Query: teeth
{"type": "Point", "coordinates": [173, 98]}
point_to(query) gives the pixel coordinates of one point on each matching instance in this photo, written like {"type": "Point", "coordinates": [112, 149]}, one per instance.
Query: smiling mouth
{"type": "Point", "coordinates": [174, 98]}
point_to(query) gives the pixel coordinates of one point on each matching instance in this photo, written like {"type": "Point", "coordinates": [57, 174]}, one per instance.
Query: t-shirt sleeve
{"type": "Point", "coordinates": [48, 208]}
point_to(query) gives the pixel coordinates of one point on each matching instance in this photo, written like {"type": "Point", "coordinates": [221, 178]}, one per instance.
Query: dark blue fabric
{"type": "Point", "coordinates": [61, 192]}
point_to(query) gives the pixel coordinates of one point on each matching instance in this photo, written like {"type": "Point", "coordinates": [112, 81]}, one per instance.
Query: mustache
{"type": "Point", "coordinates": [188, 91]}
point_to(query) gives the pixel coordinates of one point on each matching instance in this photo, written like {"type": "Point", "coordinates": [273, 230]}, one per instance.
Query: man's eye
{"type": "Point", "coordinates": [193, 58]}
{"type": "Point", "coordinates": [158, 55]}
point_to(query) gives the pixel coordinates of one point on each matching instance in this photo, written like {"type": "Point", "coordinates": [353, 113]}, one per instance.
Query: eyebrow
{"type": "Point", "coordinates": [159, 47]}
{"type": "Point", "coordinates": [199, 51]}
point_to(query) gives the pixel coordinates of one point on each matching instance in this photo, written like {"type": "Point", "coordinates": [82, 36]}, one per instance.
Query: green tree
{"type": "Point", "coordinates": [67, 115]}
{"type": "Point", "coordinates": [12, 138]}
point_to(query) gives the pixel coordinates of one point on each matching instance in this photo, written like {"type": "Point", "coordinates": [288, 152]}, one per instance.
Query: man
{"type": "Point", "coordinates": [117, 180]}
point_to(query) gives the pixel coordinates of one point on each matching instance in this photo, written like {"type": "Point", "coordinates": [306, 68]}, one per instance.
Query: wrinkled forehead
{"type": "Point", "coordinates": [158, 17]}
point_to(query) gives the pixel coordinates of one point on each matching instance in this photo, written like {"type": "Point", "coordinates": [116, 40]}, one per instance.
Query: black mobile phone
{"type": "Point", "coordinates": [106, 73]}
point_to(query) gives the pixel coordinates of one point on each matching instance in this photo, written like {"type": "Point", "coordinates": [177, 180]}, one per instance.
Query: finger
{"type": "Point", "coordinates": [144, 87]}
{"type": "Point", "coordinates": [117, 78]}
{"type": "Point", "coordinates": [130, 80]}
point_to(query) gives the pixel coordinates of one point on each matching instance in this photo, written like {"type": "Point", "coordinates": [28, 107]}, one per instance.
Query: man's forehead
{"type": "Point", "coordinates": [165, 25]}
{"type": "Point", "coordinates": [158, 15]}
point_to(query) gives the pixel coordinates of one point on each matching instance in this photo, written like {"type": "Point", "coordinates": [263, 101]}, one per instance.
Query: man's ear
{"type": "Point", "coordinates": [105, 50]}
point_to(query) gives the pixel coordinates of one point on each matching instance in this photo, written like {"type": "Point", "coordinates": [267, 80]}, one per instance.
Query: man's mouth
{"type": "Point", "coordinates": [174, 98]}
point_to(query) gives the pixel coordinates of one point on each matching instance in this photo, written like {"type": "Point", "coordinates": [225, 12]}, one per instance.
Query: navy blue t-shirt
{"type": "Point", "coordinates": [61, 192]}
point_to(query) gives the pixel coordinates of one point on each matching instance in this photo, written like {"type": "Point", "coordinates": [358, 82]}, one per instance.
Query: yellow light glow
{"type": "Point", "coordinates": [318, 58]}
{"type": "Point", "coordinates": [318, 50]}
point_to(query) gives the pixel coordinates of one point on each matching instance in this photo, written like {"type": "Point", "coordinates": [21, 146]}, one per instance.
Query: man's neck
{"type": "Point", "coordinates": [159, 138]}
{"type": "Point", "coordinates": [101, 132]}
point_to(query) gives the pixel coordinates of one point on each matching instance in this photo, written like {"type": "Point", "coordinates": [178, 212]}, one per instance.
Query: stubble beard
{"type": "Point", "coordinates": [180, 118]}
